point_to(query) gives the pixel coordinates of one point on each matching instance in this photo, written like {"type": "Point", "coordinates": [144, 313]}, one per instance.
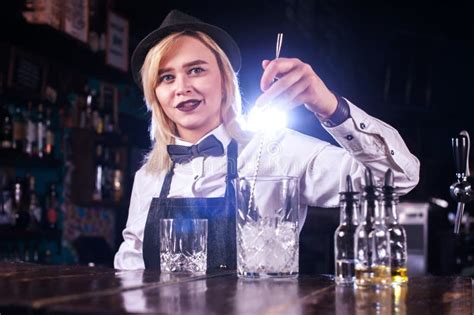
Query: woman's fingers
{"type": "Point", "coordinates": [276, 68]}
{"type": "Point", "coordinates": [297, 84]}
{"type": "Point", "coordinates": [281, 87]}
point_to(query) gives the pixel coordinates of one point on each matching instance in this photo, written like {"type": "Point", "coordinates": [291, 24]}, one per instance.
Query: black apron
{"type": "Point", "coordinates": [220, 213]}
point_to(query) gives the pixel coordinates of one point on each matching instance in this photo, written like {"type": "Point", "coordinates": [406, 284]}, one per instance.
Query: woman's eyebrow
{"type": "Point", "coordinates": [188, 64]}
{"type": "Point", "coordinates": [194, 63]}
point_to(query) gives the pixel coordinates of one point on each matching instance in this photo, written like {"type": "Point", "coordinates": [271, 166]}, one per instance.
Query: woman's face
{"type": "Point", "coordinates": [189, 88]}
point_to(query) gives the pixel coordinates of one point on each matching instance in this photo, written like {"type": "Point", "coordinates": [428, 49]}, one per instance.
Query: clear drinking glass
{"type": "Point", "coordinates": [183, 245]}
{"type": "Point", "coordinates": [267, 227]}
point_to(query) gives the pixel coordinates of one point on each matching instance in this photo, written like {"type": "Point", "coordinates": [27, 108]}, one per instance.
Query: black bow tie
{"type": "Point", "coordinates": [210, 146]}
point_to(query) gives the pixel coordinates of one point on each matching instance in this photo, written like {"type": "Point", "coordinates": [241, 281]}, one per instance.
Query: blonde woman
{"type": "Point", "coordinates": [187, 71]}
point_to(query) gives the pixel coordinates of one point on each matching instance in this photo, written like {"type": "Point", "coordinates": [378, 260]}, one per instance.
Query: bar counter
{"type": "Point", "coordinates": [38, 289]}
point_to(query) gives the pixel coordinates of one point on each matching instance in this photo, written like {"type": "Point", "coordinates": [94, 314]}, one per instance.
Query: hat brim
{"type": "Point", "coordinates": [221, 37]}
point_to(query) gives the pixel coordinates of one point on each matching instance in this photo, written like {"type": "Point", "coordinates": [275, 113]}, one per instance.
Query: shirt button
{"type": "Point", "coordinates": [392, 152]}
{"type": "Point", "coordinates": [362, 126]}
{"type": "Point", "coordinates": [349, 137]}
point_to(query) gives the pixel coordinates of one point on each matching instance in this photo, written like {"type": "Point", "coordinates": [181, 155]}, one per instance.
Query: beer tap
{"type": "Point", "coordinates": [461, 190]}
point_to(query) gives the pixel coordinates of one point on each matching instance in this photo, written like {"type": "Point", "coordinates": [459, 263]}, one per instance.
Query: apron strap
{"type": "Point", "coordinates": [231, 169]}
{"type": "Point", "coordinates": [165, 189]}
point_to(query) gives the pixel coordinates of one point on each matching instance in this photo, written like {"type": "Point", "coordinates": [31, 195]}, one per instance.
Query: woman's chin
{"type": "Point", "coordinates": [196, 127]}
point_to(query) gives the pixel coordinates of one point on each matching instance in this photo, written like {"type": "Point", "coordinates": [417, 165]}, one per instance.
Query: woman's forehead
{"type": "Point", "coordinates": [186, 49]}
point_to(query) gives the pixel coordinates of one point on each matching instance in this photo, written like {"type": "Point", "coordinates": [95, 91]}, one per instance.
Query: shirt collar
{"type": "Point", "coordinates": [219, 132]}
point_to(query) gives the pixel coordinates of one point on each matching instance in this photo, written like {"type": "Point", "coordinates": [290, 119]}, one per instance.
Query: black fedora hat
{"type": "Point", "coordinates": [177, 21]}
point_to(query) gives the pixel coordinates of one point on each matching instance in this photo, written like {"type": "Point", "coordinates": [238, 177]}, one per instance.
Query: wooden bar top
{"type": "Point", "coordinates": [36, 289]}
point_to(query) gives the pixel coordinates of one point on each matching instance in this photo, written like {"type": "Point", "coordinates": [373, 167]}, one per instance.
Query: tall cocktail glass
{"type": "Point", "coordinates": [267, 227]}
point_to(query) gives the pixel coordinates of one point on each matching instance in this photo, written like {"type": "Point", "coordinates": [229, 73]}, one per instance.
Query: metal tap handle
{"type": "Point", "coordinates": [459, 215]}
{"type": "Point", "coordinates": [460, 152]}
{"type": "Point", "coordinates": [466, 134]}
{"type": "Point", "coordinates": [461, 190]}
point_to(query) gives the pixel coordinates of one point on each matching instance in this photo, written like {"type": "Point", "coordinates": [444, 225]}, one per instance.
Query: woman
{"type": "Point", "coordinates": [186, 69]}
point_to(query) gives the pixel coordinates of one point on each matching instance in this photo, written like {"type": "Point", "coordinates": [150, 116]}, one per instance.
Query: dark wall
{"type": "Point", "coordinates": [408, 63]}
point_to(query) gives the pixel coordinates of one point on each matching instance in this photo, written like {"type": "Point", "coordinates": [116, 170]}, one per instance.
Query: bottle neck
{"type": "Point", "coordinates": [390, 207]}
{"type": "Point", "coordinates": [371, 211]}
{"type": "Point", "coordinates": [349, 212]}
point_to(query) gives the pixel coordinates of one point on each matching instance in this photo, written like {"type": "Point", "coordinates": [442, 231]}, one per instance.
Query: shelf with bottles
{"type": "Point", "coordinates": [83, 45]}
{"type": "Point", "coordinates": [94, 108]}
{"type": "Point", "coordinates": [98, 177]}
{"type": "Point", "coordinates": [98, 150]}
{"type": "Point", "coordinates": [30, 221]}
{"type": "Point", "coordinates": [28, 132]}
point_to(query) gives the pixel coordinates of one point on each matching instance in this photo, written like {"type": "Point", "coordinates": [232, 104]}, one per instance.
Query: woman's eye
{"type": "Point", "coordinates": [166, 78]}
{"type": "Point", "coordinates": [196, 70]}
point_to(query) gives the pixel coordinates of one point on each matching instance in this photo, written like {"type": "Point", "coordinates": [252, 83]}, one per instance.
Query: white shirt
{"type": "Point", "coordinates": [320, 166]}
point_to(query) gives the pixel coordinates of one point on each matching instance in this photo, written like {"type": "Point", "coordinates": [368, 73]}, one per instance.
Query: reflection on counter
{"type": "Point", "coordinates": [389, 300]}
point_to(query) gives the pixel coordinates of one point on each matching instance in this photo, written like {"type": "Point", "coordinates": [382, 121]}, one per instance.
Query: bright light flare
{"type": "Point", "coordinates": [266, 119]}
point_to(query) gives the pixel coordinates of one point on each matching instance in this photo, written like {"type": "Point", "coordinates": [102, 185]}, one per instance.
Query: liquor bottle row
{"type": "Point", "coordinates": [27, 129]}
{"type": "Point", "coordinates": [90, 110]}
{"type": "Point", "coordinates": [20, 205]}
{"type": "Point", "coordinates": [36, 251]}
{"type": "Point", "coordinates": [108, 174]}
{"type": "Point", "coordinates": [370, 247]}
{"type": "Point", "coordinates": [30, 127]}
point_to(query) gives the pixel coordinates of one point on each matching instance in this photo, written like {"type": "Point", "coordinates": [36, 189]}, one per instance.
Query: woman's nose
{"type": "Point", "coordinates": [183, 85]}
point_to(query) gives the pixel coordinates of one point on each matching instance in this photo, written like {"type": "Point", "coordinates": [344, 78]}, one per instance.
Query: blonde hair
{"type": "Point", "coordinates": [162, 130]}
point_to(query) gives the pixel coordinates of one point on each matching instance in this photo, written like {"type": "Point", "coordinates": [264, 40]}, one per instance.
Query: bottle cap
{"type": "Point", "coordinates": [370, 190]}
{"type": "Point", "coordinates": [388, 189]}
{"type": "Point", "coordinates": [349, 195]}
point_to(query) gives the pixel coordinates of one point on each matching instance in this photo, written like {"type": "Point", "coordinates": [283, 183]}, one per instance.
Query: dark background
{"type": "Point", "coordinates": [427, 45]}
{"type": "Point", "coordinates": [408, 63]}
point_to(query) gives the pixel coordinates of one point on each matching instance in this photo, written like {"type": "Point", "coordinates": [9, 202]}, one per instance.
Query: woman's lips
{"type": "Point", "coordinates": [188, 106]}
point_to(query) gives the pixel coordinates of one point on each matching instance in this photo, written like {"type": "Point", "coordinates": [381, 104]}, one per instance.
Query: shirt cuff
{"type": "Point", "coordinates": [369, 139]}
{"type": "Point", "coordinates": [356, 133]}
{"type": "Point", "coordinates": [341, 114]}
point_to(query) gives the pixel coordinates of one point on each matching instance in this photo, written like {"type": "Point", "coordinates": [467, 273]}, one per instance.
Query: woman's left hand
{"type": "Point", "coordinates": [297, 84]}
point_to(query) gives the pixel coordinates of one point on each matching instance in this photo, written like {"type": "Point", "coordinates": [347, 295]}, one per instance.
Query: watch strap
{"type": "Point", "coordinates": [340, 115]}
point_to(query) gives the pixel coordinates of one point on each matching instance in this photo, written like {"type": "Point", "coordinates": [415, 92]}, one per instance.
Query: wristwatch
{"type": "Point", "coordinates": [340, 115]}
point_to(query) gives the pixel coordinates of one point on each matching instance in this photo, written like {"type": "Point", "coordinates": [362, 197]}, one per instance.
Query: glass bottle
{"type": "Point", "coordinates": [97, 121]}
{"type": "Point", "coordinates": [398, 238]}
{"type": "Point", "coordinates": [107, 173]}
{"type": "Point", "coordinates": [84, 106]}
{"type": "Point", "coordinates": [31, 131]}
{"type": "Point", "coordinates": [108, 123]}
{"type": "Point", "coordinates": [34, 208]}
{"type": "Point", "coordinates": [22, 216]}
{"type": "Point", "coordinates": [372, 244]}
{"type": "Point", "coordinates": [99, 175]}
{"type": "Point", "coordinates": [41, 131]}
{"type": "Point", "coordinates": [19, 127]}
{"type": "Point", "coordinates": [6, 126]}
{"type": "Point", "coordinates": [88, 109]}
{"type": "Point", "coordinates": [118, 178]}
{"type": "Point", "coordinates": [49, 145]}
{"type": "Point", "coordinates": [344, 235]}
{"type": "Point", "coordinates": [6, 204]}
{"type": "Point", "coordinates": [51, 217]}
